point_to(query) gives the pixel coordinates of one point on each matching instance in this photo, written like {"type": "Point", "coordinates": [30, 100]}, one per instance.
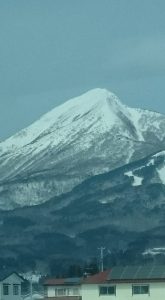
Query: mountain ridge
{"type": "Point", "coordinates": [90, 177]}
{"type": "Point", "coordinates": [111, 209]}
{"type": "Point", "coordinates": [98, 95]}
{"type": "Point", "coordinates": [88, 135]}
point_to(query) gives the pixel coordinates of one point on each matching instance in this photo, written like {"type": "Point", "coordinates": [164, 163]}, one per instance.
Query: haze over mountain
{"type": "Point", "coordinates": [88, 135]}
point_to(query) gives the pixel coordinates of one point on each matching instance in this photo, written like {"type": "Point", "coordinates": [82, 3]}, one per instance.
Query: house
{"type": "Point", "coordinates": [126, 283]}
{"type": "Point", "coordinates": [10, 286]}
{"type": "Point", "coordinates": [119, 283]}
{"type": "Point", "coordinates": [63, 289]}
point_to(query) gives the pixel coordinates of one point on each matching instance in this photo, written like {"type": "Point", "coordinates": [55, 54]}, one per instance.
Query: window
{"type": "Point", "coordinates": [61, 292]}
{"type": "Point", "coordinates": [140, 289]}
{"type": "Point", "coordinates": [5, 289]}
{"type": "Point", "coordinates": [45, 291]}
{"type": "Point", "coordinates": [15, 289]}
{"type": "Point", "coordinates": [75, 291]}
{"type": "Point", "coordinates": [107, 290]}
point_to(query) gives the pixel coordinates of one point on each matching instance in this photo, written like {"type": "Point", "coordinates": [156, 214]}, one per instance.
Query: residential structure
{"type": "Point", "coordinates": [119, 283]}
{"type": "Point", "coordinates": [10, 286]}
{"type": "Point", "coordinates": [126, 283]}
{"type": "Point", "coordinates": [63, 289]}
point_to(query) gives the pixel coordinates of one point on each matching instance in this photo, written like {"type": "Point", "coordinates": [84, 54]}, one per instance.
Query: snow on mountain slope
{"type": "Point", "coordinates": [113, 202]}
{"type": "Point", "coordinates": [154, 251]}
{"type": "Point", "coordinates": [157, 161]}
{"type": "Point", "coordinates": [97, 103]}
{"type": "Point", "coordinates": [87, 135]}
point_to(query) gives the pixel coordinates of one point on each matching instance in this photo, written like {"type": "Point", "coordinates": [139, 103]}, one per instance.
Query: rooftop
{"type": "Point", "coordinates": [149, 272]}
{"type": "Point", "coordinates": [97, 278]}
{"type": "Point", "coordinates": [116, 274]}
{"type": "Point", "coordinates": [63, 281]}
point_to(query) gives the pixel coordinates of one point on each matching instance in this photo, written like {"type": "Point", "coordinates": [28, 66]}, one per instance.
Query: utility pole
{"type": "Point", "coordinates": [31, 286]}
{"type": "Point", "coordinates": [101, 258]}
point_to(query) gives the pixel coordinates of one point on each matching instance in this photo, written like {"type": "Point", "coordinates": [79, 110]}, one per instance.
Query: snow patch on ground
{"type": "Point", "coordinates": [135, 116]}
{"type": "Point", "coordinates": [130, 152]}
{"type": "Point", "coordinates": [161, 173]}
{"type": "Point", "coordinates": [151, 162]}
{"type": "Point", "coordinates": [154, 251]}
{"type": "Point", "coordinates": [162, 153]}
{"type": "Point", "coordinates": [137, 180]}
{"type": "Point", "coordinates": [103, 201]}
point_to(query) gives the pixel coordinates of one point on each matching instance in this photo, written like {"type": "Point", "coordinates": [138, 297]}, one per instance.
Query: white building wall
{"type": "Point", "coordinates": [124, 292]}
{"type": "Point", "coordinates": [51, 290]}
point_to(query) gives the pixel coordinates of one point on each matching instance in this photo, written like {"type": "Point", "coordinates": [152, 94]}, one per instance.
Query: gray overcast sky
{"type": "Point", "coordinates": [52, 50]}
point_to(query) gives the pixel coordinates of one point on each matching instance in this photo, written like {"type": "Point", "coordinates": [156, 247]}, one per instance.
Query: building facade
{"type": "Point", "coordinates": [63, 289]}
{"type": "Point", "coordinates": [124, 291]}
{"type": "Point", "coordinates": [126, 283]}
{"type": "Point", "coordinates": [119, 283]}
{"type": "Point", "coordinates": [10, 286]}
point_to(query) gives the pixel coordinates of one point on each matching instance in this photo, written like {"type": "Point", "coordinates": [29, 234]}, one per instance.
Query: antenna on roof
{"type": "Point", "coordinates": [101, 267]}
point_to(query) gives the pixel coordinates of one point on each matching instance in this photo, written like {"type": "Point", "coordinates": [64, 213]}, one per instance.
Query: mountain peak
{"type": "Point", "coordinates": [87, 135]}
{"type": "Point", "coordinates": [98, 102]}
{"type": "Point", "coordinates": [87, 100]}
{"type": "Point", "coordinates": [98, 94]}
{"type": "Point", "coordinates": [95, 112]}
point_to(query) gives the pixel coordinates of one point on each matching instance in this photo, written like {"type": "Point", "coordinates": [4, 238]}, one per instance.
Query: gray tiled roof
{"type": "Point", "coordinates": [74, 280]}
{"type": "Point", "coordinates": [5, 273]}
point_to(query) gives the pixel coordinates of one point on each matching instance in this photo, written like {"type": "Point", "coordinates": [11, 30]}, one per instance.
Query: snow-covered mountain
{"type": "Point", "coordinates": [123, 210]}
{"type": "Point", "coordinates": [87, 135]}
